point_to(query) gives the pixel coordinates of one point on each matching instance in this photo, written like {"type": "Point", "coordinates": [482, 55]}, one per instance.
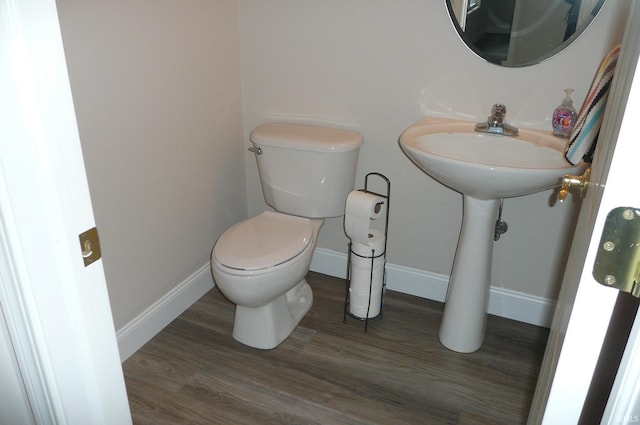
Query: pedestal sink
{"type": "Point", "coordinates": [484, 168]}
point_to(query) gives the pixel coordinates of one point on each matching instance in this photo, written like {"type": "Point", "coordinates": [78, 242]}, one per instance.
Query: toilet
{"type": "Point", "coordinates": [260, 263]}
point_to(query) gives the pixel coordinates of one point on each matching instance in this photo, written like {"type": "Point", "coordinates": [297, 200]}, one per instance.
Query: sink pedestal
{"type": "Point", "coordinates": [465, 311]}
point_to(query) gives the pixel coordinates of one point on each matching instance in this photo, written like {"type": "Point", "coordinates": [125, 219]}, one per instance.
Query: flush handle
{"type": "Point", "coordinates": [570, 181]}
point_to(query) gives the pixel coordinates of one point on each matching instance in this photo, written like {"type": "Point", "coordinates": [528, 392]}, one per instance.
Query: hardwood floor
{"type": "Point", "coordinates": [327, 372]}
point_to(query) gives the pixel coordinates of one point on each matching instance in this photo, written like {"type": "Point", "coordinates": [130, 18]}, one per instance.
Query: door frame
{"type": "Point", "coordinates": [57, 310]}
{"type": "Point", "coordinates": [584, 307]}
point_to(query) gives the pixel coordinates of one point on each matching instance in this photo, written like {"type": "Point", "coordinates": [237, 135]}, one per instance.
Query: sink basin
{"type": "Point", "coordinates": [486, 166]}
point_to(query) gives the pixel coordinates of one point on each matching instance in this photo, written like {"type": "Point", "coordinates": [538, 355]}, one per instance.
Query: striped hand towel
{"type": "Point", "coordinates": [583, 137]}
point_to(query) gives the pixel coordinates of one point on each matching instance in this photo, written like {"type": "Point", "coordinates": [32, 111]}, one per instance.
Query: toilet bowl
{"type": "Point", "coordinates": [260, 263]}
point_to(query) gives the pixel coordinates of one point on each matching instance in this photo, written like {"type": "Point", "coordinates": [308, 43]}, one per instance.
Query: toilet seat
{"type": "Point", "coordinates": [264, 241]}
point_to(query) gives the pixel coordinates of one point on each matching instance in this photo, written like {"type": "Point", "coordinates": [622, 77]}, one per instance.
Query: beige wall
{"type": "Point", "coordinates": [156, 87]}
{"type": "Point", "coordinates": [157, 90]}
{"type": "Point", "coordinates": [377, 67]}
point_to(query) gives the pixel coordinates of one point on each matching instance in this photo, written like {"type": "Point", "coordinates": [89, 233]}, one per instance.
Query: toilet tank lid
{"type": "Point", "coordinates": [306, 137]}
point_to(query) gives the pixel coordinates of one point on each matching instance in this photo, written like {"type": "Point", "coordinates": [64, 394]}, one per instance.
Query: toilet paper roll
{"type": "Point", "coordinates": [361, 208]}
{"type": "Point", "coordinates": [367, 275]}
{"type": "Point", "coordinates": [375, 242]}
{"type": "Point", "coordinates": [359, 304]}
{"type": "Point", "coordinates": [364, 278]}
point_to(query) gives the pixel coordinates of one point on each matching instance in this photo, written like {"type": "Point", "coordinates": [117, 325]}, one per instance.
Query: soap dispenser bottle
{"type": "Point", "coordinates": [564, 117]}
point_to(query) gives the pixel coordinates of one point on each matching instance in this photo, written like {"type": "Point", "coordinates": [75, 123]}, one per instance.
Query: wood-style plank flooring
{"type": "Point", "coordinates": [328, 372]}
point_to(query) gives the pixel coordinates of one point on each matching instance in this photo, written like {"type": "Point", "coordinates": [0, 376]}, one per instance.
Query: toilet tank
{"type": "Point", "coordinates": [306, 170]}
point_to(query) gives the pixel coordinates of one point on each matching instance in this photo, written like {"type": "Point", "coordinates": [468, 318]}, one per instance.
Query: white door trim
{"type": "Point", "coordinates": [57, 311]}
{"type": "Point", "coordinates": [584, 307]}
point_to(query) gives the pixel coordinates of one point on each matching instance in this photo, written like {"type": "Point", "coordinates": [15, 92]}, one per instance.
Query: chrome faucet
{"type": "Point", "coordinates": [495, 122]}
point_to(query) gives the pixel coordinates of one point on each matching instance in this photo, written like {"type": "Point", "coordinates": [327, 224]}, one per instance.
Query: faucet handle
{"type": "Point", "coordinates": [498, 111]}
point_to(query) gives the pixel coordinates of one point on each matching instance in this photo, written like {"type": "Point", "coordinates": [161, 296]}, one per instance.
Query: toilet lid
{"type": "Point", "coordinates": [263, 241]}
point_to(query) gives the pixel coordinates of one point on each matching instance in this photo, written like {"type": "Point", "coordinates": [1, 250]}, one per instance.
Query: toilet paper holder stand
{"type": "Point", "coordinates": [387, 197]}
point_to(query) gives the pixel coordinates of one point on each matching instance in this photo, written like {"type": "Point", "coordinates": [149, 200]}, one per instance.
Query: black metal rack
{"type": "Point", "coordinates": [387, 197]}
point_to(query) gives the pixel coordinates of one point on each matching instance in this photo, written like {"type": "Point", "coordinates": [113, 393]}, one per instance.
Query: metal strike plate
{"type": "Point", "coordinates": [618, 259]}
{"type": "Point", "coordinates": [90, 246]}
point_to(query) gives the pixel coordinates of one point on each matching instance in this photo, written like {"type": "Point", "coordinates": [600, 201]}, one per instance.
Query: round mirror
{"type": "Point", "coordinates": [520, 32]}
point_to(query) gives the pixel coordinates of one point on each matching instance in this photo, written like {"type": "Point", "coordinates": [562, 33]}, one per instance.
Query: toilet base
{"type": "Point", "coordinates": [267, 326]}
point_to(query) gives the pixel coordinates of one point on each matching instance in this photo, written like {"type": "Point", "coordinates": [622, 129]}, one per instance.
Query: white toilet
{"type": "Point", "coordinates": [260, 264]}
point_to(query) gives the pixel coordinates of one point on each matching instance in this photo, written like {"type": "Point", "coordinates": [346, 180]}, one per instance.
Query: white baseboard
{"type": "Point", "coordinates": [147, 324]}
{"type": "Point", "coordinates": [421, 283]}
{"type": "Point", "coordinates": [502, 302]}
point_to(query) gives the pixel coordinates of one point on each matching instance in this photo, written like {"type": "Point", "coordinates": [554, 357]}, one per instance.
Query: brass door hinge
{"type": "Point", "coordinates": [90, 246]}
{"type": "Point", "coordinates": [618, 259]}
